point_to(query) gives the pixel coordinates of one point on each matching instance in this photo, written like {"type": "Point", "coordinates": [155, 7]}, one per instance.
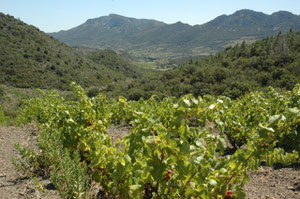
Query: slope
{"type": "Point", "coordinates": [30, 58]}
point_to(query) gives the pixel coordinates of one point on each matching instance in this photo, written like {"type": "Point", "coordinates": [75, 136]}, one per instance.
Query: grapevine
{"type": "Point", "coordinates": [176, 147]}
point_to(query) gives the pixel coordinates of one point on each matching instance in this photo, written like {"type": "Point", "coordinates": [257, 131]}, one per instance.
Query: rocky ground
{"type": "Point", "coordinates": [264, 183]}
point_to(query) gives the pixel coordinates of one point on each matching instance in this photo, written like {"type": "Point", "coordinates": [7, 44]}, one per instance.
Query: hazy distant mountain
{"type": "Point", "coordinates": [248, 23]}
{"type": "Point", "coordinates": [150, 38]}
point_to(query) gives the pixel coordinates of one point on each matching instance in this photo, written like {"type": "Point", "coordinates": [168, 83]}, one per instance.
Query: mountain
{"type": "Point", "coordinates": [30, 58]}
{"type": "Point", "coordinates": [247, 25]}
{"type": "Point", "coordinates": [113, 31]}
{"type": "Point", "coordinates": [149, 38]}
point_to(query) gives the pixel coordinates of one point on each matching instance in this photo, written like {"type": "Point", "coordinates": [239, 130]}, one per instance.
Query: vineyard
{"type": "Point", "coordinates": [177, 148]}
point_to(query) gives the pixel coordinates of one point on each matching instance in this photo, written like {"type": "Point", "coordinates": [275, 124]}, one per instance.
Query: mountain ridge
{"type": "Point", "coordinates": [151, 38]}
{"type": "Point", "coordinates": [223, 15]}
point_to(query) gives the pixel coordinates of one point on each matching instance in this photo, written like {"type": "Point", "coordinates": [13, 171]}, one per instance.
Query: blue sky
{"type": "Point", "coordinates": [55, 15]}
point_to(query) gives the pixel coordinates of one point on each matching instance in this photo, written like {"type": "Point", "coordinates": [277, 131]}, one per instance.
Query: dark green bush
{"type": "Point", "coordinates": [92, 92]}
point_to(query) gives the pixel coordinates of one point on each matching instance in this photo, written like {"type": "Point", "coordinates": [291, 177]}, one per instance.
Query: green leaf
{"type": "Point", "coordinates": [185, 148]}
{"type": "Point", "coordinates": [122, 100]}
{"type": "Point", "coordinates": [212, 106]}
{"type": "Point", "coordinates": [195, 101]}
{"type": "Point", "coordinates": [199, 143]}
{"type": "Point", "coordinates": [187, 102]}
{"type": "Point", "coordinates": [212, 182]}
{"type": "Point", "coordinates": [157, 172]}
{"type": "Point", "coordinates": [232, 165]}
{"type": "Point", "coordinates": [127, 158]}
{"type": "Point", "coordinates": [219, 122]}
{"type": "Point", "coordinates": [179, 112]}
{"type": "Point", "coordinates": [223, 170]}
{"type": "Point", "coordinates": [266, 128]}
{"type": "Point", "coordinates": [239, 193]}
{"type": "Point", "coordinates": [197, 160]}
{"type": "Point", "coordinates": [222, 143]}
{"type": "Point", "coordinates": [135, 187]}
{"type": "Point", "coordinates": [70, 120]}
{"type": "Point", "coordinates": [220, 101]}
{"type": "Point", "coordinates": [151, 140]}
{"type": "Point", "coordinates": [274, 119]}
{"type": "Point", "coordinates": [171, 143]}
{"type": "Point", "coordinates": [189, 192]}
{"type": "Point", "coordinates": [294, 110]}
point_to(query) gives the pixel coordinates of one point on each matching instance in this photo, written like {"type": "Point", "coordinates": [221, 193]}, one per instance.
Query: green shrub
{"type": "Point", "coordinates": [2, 116]}
{"type": "Point", "coordinates": [1, 91]}
{"type": "Point", "coordinates": [93, 92]}
{"type": "Point", "coordinates": [68, 174]}
{"type": "Point", "coordinates": [71, 177]}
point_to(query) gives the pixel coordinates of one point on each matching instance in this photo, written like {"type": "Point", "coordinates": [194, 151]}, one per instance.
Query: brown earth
{"type": "Point", "coordinates": [13, 184]}
{"type": "Point", "coordinates": [264, 183]}
{"type": "Point", "coordinates": [274, 183]}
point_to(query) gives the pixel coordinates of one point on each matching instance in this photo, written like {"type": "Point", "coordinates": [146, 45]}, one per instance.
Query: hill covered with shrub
{"type": "Point", "coordinates": [273, 61]}
{"type": "Point", "coordinates": [29, 58]}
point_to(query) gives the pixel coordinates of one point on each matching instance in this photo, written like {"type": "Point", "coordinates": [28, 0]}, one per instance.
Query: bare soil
{"type": "Point", "coordinates": [274, 183]}
{"type": "Point", "coordinates": [265, 183]}
{"type": "Point", "coordinates": [13, 184]}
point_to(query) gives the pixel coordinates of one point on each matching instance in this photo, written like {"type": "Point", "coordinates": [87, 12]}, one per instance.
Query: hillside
{"type": "Point", "coordinates": [149, 38]}
{"type": "Point", "coordinates": [30, 58]}
{"type": "Point", "coordinates": [273, 61]}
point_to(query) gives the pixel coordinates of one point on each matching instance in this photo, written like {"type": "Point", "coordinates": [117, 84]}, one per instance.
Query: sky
{"type": "Point", "coordinates": [56, 15]}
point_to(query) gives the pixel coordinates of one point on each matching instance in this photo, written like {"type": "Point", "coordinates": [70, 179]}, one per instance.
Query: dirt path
{"type": "Point", "coordinates": [14, 185]}
{"type": "Point", "coordinates": [264, 183]}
